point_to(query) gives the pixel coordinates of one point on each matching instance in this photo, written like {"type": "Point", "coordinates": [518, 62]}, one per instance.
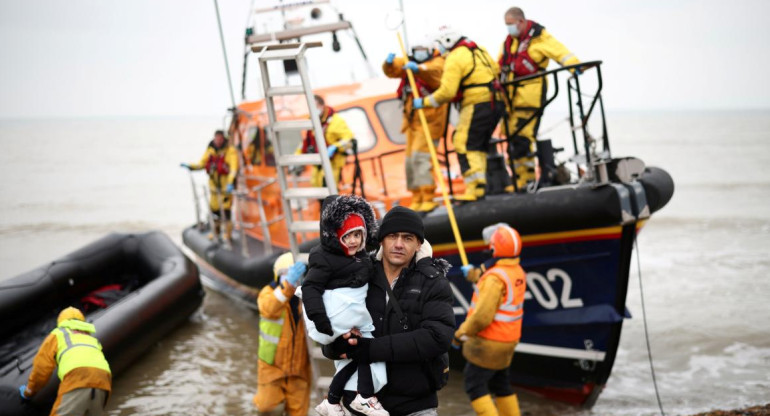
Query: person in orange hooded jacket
{"type": "Point", "coordinates": [492, 328]}
{"type": "Point", "coordinates": [85, 379]}
{"type": "Point", "coordinates": [427, 65]}
{"type": "Point", "coordinates": [283, 370]}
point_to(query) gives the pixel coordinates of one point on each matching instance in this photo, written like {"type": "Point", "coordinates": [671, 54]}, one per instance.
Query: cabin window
{"type": "Point", "coordinates": [289, 140]}
{"type": "Point", "coordinates": [390, 113]}
{"type": "Point", "coordinates": [359, 124]}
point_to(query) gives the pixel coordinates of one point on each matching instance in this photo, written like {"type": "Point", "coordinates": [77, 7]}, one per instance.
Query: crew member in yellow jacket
{"type": "Point", "coordinates": [469, 77]}
{"type": "Point", "coordinates": [493, 325]}
{"type": "Point", "coordinates": [427, 67]}
{"type": "Point", "coordinates": [220, 160]}
{"type": "Point", "coordinates": [85, 379]}
{"type": "Point", "coordinates": [527, 49]}
{"type": "Point", "coordinates": [283, 371]}
{"type": "Point", "coordinates": [338, 140]}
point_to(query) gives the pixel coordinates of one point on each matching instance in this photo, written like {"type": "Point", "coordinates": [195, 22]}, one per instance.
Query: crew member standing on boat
{"type": "Point", "coordinates": [493, 325]}
{"type": "Point", "coordinates": [85, 379]}
{"type": "Point", "coordinates": [427, 67]}
{"type": "Point", "coordinates": [469, 77]}
{"type": "Point", "coordinates": [220, 160]}
{"type": "Point", "coordinates": [527, 49]}
{"type": "Point", "coordinates": [283, 372]}
{"type": "Point", "coordinates": [338, 140]}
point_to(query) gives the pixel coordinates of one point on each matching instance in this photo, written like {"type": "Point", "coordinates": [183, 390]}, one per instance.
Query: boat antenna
{"type": "Point", "coordinates": [224, 53]}
{"type": "Point", "coordinates": [646, 333]}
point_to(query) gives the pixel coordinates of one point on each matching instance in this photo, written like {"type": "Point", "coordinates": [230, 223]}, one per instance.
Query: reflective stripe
{"type": "Point", "coordinates": [506, 318]}
{"type": "Point", "coordinates": [278, 321]}
{"type": "Point", "coordinates": [475, 177]}
{"type": "Point", "coordinates": [67, 341]}
{"type": "Point", "coordinates": [566, 58]}
{"type": "Point", "coordinates": [70, 345]}
{"type": "Point", "coordinates": [269, 337]}
{"type": "Point", "coordinates": [433, 102]}
{"type": "Point", "coordinates": [511, 308]}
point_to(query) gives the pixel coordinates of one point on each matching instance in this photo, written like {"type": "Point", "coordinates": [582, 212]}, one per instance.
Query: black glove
{"type": "Point", "coordinates": [334, 350]}
{"type": "Point", "coordinates": [324, 327]}
{"type": "Point", "coordinates": [360, 351]}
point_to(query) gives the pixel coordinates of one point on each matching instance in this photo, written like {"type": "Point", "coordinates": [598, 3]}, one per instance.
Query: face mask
{"type": "Point", "coordinates": [441, 48]}
{"type": "Point", "coordinates": [513, 30]}
{"type": "Point", "coordinates": [421, 55]}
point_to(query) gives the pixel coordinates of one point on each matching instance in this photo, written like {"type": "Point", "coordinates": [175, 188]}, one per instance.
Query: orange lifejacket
{"type": "Point", "coordinates": [506, 326]}
{"type": "Point", "coordinates": [520, 63]}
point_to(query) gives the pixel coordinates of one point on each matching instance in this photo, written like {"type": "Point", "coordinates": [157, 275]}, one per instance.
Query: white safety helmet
{"type": "Point", "coordinates": [423, 49]}
{"type": "Point", "coordinates": [282, 265]}
{"type": "Point", "coordinates": [447, 37]}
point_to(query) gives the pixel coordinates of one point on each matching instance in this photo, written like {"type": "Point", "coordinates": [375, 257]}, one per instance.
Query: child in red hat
{"type": "Point", "coordinates": [334, 298]}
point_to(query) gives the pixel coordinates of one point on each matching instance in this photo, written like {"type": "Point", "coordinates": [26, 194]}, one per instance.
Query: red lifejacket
{"type": "Point", "coordinates": [520, 63]}
{"type": "Point", "coordinates": [216, 163]}
{"type": "Point", "coordinates": [309, 144]}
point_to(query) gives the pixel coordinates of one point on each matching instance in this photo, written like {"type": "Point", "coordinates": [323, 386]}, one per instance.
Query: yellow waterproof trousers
{"type": "Point", "coordinates": [294, 392]}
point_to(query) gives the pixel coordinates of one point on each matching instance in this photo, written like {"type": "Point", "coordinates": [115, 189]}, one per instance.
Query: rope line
{"type": "Point", "coordinates": [646, 333]}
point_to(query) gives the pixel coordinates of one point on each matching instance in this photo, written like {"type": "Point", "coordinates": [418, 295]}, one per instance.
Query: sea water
{"type": "Point", "coordinates": [703, 258]}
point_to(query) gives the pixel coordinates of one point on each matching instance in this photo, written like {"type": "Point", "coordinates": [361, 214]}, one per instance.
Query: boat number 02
{"type": "Point", "coordinates": [539, 287]}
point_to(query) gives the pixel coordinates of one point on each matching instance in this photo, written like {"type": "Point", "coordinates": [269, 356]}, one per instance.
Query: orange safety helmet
{"type": "Point", "coordinates": [503, 240]}
{"type": "Point", "coordinates": [70, 313]}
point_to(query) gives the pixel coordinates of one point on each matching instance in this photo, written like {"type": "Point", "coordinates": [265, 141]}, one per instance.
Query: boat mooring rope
{"type": "Point", "coordinates": [646, 333]}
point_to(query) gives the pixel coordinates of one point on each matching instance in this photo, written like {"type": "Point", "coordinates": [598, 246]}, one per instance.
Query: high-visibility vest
{"type": "Point", "coordinates": [506, 325]}
{"type": "Point", "coordinates": [269, 336]}
{"type": "Point", "coordinates": [76, 348]}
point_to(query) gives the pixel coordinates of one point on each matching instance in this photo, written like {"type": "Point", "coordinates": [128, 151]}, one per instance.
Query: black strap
{"type": "Point", "coordinates": [394, 302]}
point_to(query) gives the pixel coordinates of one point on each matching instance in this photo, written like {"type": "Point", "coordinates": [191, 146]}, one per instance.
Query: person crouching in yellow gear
{"type": "Point", "coordinates": [85, 379]}
{"type": "Point", "coordinates": [427, 66]}
{"type": "Point", "coordinates": [283, 371]}
{"type": "Point", "coordinates": [492, 328]}
{"type": "Point", "coordinates": [220, 160]}
{"type": "Point", "coordinates": [338, 139]}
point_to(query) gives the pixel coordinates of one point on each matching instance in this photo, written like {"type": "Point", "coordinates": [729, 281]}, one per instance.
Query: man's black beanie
{"type": "Point", "coordinates": [401, 220]}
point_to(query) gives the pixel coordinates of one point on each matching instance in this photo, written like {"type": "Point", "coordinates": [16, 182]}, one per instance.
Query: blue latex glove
{"type": "Point", "coordinates": [466, 269]}
{"type": "Point", "coordinates": [390, 58]}
{"type": "Point", "coordinates": [412, 66]}
{"type": "Point", "coordinates": [418, 103]}
{"type": "Point", "coordinates": [184, 165]}
{"type": "Point", "coordinates": [295, 273]}
{"type": "Point", "coordinates": [331, 149]}
{"type": "Point", "coordinates": [230, 188]}
{"type": "Point", "coordinates": [22, 389]}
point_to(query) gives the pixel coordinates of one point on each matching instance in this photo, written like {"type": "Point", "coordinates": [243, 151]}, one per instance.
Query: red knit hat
{"type": "Point", "coordinates": [352, 223]}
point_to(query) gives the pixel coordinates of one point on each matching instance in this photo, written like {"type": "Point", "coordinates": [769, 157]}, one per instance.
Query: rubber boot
{"type": "Point", "coordinates": [428, 204]}
{"type": "Point", "coordinates": [214, 234]}
{"type": "Point", "coordinates": [416, 199]}
{"type": "Point", "coordinates": [469, 194]}
{"type": "Point", "coordinates": [508, 405]}
{"type": "Point", "coordinates": [484, 406]}
{"type": "Point", "coordinates": [525, 172]}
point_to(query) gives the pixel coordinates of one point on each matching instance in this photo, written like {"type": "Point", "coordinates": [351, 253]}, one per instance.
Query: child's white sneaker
{"type": "Point", "coordinates": [328, 409]}
{"type": "Point", "coordinates": [369, 407]}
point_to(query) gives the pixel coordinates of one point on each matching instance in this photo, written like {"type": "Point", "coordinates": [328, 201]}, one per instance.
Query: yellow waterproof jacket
{"type": "Point", "coordinates": [291, 357]}
{"type": "Point", "coordinates": [45, 363]}
{"type": "Point", "coordinates": [477, 67]}
{"type": "Point", "coordinates": [542, 48]}
{"type": "Point", "coordinates": [212, 157]}
{"type": "Point", "coordinates": [430, 75]}
{"type": "Point", "coordinates": [486, 353]}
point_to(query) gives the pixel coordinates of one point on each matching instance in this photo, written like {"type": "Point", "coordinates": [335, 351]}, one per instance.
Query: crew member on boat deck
{"type": "Point", "coordinates": [427, 65]}
{"type": "Point", "coordinates": [283, 371]}
{"type": "Point", "coordinates": [492, 328]}
{"type": "Point", "coordinates": [338, 140]}
{"type": "Point", "coordinates": [254, 149]}
{"type": "Point", "coordinates": [470, 78]}
{"type": "Point", "coordinates": [85, 379]}
{"type": "Point", "coordinates": [220, 160]}
{"type": "Point", "coordinates": [527, 49]}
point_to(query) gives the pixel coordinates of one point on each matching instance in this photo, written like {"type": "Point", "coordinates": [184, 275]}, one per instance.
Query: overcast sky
{"type": "Point", "coordinates": [88, 58]}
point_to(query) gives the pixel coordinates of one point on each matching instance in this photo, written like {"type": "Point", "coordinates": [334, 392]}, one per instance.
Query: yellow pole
{"type": "Point", "coordinates": [434, 160]}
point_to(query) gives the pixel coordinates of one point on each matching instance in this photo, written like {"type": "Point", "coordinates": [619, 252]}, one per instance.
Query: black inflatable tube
{"type": "Point", "coordinates": [169, 292]}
